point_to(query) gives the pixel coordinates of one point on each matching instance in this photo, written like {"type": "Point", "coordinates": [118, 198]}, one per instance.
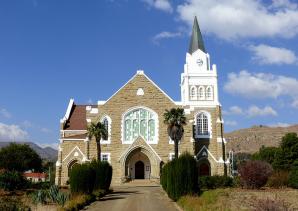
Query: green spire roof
{"type": "Point", "coordinates": [196, 41]}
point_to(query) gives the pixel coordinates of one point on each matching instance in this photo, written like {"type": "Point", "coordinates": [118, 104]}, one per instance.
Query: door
{"type": "Point", "coordinates": [204, 170]}
{"type": "Point", "coordinates": [139, 170]}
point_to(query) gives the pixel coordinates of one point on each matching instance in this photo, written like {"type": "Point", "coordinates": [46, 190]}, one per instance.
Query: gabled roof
{"type": "Point", "coordinates": [77, 118]}
{"type": "Point", "coordinates": [196, 41]}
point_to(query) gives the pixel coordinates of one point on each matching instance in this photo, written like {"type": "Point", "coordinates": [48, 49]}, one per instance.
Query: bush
{"type": "Point", "coordinates": [56, 196]}
{"type": "Point", "coordinates": [212, 182]}
{"type": "Point", "coordinates": [12, 180]}
{"type": "Point", "coordinates": [103, 175]}
{"type": "Point", "coordinates": [293, 177]}
{"type": "Point", "coordinates": [12, 204]}
{"type": "Point", "coordinates": [78, 202]}
{"type": "Point", "coordinates": [180, 177]}
{"type": "Point", "coordinates": [254, 174]}
{"type": "Point", "coordinates": [82, 179]}
{"type": "Point", "coordinates": [278, 179]}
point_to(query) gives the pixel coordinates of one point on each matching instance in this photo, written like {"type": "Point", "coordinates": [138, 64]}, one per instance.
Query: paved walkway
{"type": "Point", "coordinates": [135, 196]}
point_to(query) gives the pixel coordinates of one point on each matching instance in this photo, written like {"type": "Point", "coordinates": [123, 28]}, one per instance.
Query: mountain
{"type": "Point", "coordinates": [249, 140]}
{"type": "Point", "coordinates": [45, 153]}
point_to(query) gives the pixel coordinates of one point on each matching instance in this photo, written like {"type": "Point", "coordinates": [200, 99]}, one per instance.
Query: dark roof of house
{"type": "Point", "coordinates": [196, 41]}
{"type": "Point", "coordinates": [77, 118]}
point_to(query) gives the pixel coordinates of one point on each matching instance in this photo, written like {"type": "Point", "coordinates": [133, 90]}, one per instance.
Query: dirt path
{"type": "Point", "coordinates": [135, 198]}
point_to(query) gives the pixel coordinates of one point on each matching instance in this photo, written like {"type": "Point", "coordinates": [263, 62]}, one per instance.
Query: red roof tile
{"type": "Point", "coordinates": [35, 175]}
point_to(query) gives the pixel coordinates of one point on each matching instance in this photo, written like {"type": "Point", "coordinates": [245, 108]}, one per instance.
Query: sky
{"type": "Point", "coordinates": [54, 50]}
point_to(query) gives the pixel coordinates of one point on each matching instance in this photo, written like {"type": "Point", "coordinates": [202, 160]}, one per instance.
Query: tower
{"type": "Point", "coordinates": [199, 79]}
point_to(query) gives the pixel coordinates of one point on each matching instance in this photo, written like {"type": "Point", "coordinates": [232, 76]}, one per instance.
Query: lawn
{"type": "Point", "coordinates": [241, 199]}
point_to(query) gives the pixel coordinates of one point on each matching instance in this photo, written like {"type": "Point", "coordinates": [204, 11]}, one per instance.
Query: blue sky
{"type": "Point", "coordinates": [52, 50]}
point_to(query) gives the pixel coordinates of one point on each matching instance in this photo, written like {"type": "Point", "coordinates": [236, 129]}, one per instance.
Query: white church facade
{"type": "Point", "coordinates": [138, 145]}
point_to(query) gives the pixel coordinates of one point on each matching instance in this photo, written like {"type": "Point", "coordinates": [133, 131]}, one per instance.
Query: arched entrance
{"type": "Point", "coordinates": [138, 165]}
{"type": "Point", "coordinates": [204, 169]}
{"type": "Point", "coordinates": [139, 170]}
{"type": "Point", "coordinates": [71, 165]}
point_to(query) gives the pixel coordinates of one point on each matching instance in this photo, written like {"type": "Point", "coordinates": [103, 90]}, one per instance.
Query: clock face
{"type": "Point", "coordinates": [200, 62]}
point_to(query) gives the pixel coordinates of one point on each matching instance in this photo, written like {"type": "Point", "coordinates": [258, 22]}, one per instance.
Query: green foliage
{"type": "Point", "coordinates": [293, 177]}
{"type": "Point", "coordinates": [180, 177]}
{"type": "Point", "coordinates": [39, 197]}
{"type": "Point", "coordinates": [175, 120]}
{"type": "Point", "coordinates": [12, 180]}
{"type": "Point", "coordinates": [87, 177]}
{"type": "Point", "coordinates": [279, 179]}
{"type": "Point", "coordinates": [267, 154]}
{"type": "Point", "coordinates": [19, 157]}
{"type": "Point", "coordinates": [82, 179]}
{"type": "Point", "coordinates": [103, 175]}
{"type": "Point", "coordinates": [212, 182]}
{"type": "Point", "coordinates": [254, 174]}
{"type": "Point", "coordinates": [61, 198]}
{"type": "Point", "coordinates": [240, 158]}
{"type": "Point", "coordinates": [53, 192]}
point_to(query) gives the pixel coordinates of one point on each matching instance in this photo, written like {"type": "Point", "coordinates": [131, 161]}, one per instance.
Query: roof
{"type": "Point", "coordinates": [196, 41]}
{"type": "Point", "coordinates": [77, 118]}
{"type": "Point", "coordinates": [35, 175]}
{"type": "Point", "coordinates": [77, 136]}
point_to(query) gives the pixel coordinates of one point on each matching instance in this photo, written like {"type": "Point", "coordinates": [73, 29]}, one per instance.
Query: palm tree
{"type": "Point", "coordinates": [99, 131]}
{"type": "Point", "coordinates": [175, 120]}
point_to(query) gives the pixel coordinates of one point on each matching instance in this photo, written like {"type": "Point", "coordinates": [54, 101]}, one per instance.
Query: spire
{"type": "Point", "coordinates": [196, 41]}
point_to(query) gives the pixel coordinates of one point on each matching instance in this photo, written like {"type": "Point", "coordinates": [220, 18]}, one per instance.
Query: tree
{"type": "Point", "coordinates": [175, 120]}
{"type": "Point", "coordinates": [98, 131]}
{"type": "Point", "coordinates": [267, 154]}
{"type": "Point", "coordinates": [19, 157]}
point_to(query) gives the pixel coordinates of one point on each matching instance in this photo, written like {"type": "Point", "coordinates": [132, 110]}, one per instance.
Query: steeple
{"type": "Point", "coordinates": [196, 41]}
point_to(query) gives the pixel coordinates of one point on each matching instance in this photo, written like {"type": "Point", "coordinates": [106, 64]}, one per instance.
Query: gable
{"type": "Point", "coordinates": [139, 88]}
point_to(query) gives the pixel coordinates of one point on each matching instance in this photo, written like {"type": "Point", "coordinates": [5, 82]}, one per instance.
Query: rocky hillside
{"type": "Point", "coordinates": [45, 153]}
{"type": "Point", "coordinates": [251, 139]}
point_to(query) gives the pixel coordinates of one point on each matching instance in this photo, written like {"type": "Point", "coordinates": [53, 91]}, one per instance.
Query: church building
{"type": "Point", "coordinates": [138, 144]}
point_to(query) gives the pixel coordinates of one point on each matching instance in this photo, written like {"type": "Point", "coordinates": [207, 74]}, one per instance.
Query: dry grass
{"type": "Point", "coordinates": [240, 199]}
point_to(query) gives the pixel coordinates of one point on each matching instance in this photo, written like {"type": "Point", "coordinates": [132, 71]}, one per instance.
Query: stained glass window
{"type": "Point", "coordinates": [139, 122]}
{"type": "Point", "coordinates": [106, 123]}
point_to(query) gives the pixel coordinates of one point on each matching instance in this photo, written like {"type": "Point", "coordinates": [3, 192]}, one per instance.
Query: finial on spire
{"type": "Point", "coordinates": [196, 41]}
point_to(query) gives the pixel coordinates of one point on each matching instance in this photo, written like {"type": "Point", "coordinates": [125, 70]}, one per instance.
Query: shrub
{"type": "Point", "coordinates": [12, 180]}
{"type": "Point", "coordinates": [278, 179]}
{"type": "Point", "coordinates": [212, 182]}
{"type": "Point", "coordinates": [180, 177]}
{"type": "Point", "coordinates": [82, 179]}
{"type": "Point", "coordinates": [39, 197]}
{"type": "Point", "coordinates": [12, 204]}
{"type": "Point", "coordinates": [254, 174]}
{"type": "Point", "coordinates": [293, 177]}
{"type": "Point", "coordinates": [103, 175]}
{"type": "Point", "coordinates": [57, 196]}
{"type": "Point", "coordinates": [78, 202]}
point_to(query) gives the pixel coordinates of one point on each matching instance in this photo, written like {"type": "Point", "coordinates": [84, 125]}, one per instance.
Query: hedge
{"type": "Point", "coordinates": [86, 178]}
{"type": "Point", "coordinates": [180, 177]}
{"type": "Point", "coordinates": [293, 177]}
{"type": "Point", "coordinates": [212, 182]}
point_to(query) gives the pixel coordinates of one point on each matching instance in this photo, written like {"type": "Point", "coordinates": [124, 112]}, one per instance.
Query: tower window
{"type": "Point", "coordinates": [202, 124]}
{"type": "Point", "coordinates": [193, 93]}
{"type": "Point", "coordinates": [201, 93]}
{"type": "Point", "coordinates": [209, 94]}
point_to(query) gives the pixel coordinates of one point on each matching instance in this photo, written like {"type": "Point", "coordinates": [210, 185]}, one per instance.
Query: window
{"type": "Point", "coordinates": [201, 93]}
{"type": "Point", "coordinates": [209, 95]}
{"type": "Point", "coordinates": [106, 124]}
{"type": "Point", "coordinates": [202, 124]}
{"type": "Point", "coordinates": [193, 93]}
{"type": "Point", "coordinates": [105, 157]}
{"type": "Point", "coordinates": [140, 122]}
{"type": "Point", "coordinates": [171, 156]}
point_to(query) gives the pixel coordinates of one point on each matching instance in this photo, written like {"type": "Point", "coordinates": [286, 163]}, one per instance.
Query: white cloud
{"type": "Point", "coordinates": [5, 113]}
{"type": "Point", "coordinates": [265, 54]}
{"type": "Point", "coordinates": [254, 111]}
{"type": "Point", "coordinates": [234, 110]}
{"type": "Point", "coordinates": [231, 123]}
{"type": "Point", "coordinates": [262, 85]}
{"type": "Point", "coordinates": [45, 130]}
{"type": "Point", "coordinates": [233, 19]}
{"type": "Point", "coordinates": [295, 103]}
{"type": "Point", "coordinates": [163, 5]}
{"type": "Point", "coordinates": [12, 133]}
{"type": "Point", "coordinates": [280, 124]}
{"type": "Point", "coordinates": [52, 145]}
{"type": "Point", "coordinates": [27, 124]}
{"type": "Point", "coordinates": [165, 35]}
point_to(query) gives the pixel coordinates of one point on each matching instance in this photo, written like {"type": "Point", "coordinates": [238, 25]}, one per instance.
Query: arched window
{"type": "Point", "coordinates": [201, 93]}
{"type": "Point", "coordinates": [105, 122]}
{"type": "Point", "coordinates": [202, 124]}
{"type": "Point", "coordinates": [193, 93]}
{"type": "Point", "coordinates": [140, 122]}
{"type": "Point", "coordinates": [209, 93]}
